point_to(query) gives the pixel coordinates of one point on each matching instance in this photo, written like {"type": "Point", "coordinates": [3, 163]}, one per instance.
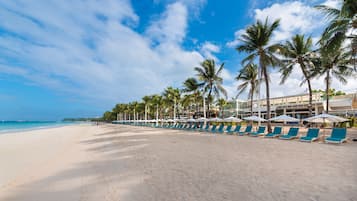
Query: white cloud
{"type": "Point", "coordinates": [295, 17]}
{"type": "Point", "coordinates": [171, 27]}
{"type": "Point", "coordinates": [208, 50]}
{"type": "Point", "coordinates": [96, 54]}
{"type": "Point", "coordinates": [234, 43]}
{"type": "Point", "coordinates": [332, 3]}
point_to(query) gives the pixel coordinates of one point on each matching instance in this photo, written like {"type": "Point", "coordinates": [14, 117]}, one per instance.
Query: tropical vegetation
{"type": "Point", "coordinates": [333, 58]}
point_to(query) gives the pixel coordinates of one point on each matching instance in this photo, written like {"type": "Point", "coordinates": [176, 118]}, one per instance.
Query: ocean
{"type": "Point", "coordinates": [16, 126]}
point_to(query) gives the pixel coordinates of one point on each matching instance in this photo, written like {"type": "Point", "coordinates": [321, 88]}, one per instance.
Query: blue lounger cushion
{"type": "Point", "coordinates": [292, 134]}
{"type": "Point", "coordinates": [236, 130]}
{"type": "Point", "coordinates": [312, 135]}
{"type": "Point", "coordinates": [260, 131]}
{"type": "Point", "coordinates": [338, 135]}
{"type": "Point", "coordinates": [247, 130]}
{"type": "Point", "coordinates": [276, 132]}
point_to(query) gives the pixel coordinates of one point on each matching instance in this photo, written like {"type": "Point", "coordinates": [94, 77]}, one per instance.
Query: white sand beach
{"type": "Point", "coordinates": [126, 163]}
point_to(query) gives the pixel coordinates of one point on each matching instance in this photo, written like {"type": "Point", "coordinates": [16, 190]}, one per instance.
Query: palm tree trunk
{"type": "Point", "coordinates": [303, 69]}
{"type": "Point", "coordinates": [327, 90]}
{"type": "Point", "coordinates": [266, 78]}
{"type": "Point", "coordinates": [208, 102]}
{"type": "Point", "coordinates": [310, 97]}
{"type": "Point", "coordinates": [251, 102]}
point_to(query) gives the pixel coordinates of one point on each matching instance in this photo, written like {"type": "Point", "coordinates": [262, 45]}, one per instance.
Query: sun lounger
{"type": "Point", "coordinates": [260, 131]}
{"type": "Point", "coordinates": [236, 130]}
{"type": "Point", "coordinates": [292, 134]}
{"type": "Point", "coordinates": [338, 135]}
{"type": "Point", "coordinates": [194, 127]}
{"type": "Point", "coordinates": [312, 135]}
{"type": "Point", "coordinates": [213, 129]}
{"type": "Point", "coordinates": [276, 132]}
{"type": "Point", "coordinates": [247, 130]}
{"type": "Point", "coordinates": [228, 129]}
{"type": "Point", "coordinates": [205, 129]}
{"type": "Point", "coordinates": [184, 127]}
{"type": "Point", "coordinates": [220, 129]}
{"type": "Point", "coordinates": [200, 125]}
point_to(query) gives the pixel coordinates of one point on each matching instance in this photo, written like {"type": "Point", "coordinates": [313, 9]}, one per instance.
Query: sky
{"type": "Point", "coordinates": [77, 59]}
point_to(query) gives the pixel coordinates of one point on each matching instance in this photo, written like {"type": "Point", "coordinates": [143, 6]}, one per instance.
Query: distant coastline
{"type": "Point", "coordinates": [20, 125]}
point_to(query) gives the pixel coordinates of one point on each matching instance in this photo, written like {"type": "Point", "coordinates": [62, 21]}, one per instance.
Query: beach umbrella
{"type": "Point", "coordinates": [201, 119]}
{"type": "Point", "coordinates": [215, 119]}
{"type": "Point", "coordinates": [325, 118]}
{"type": "Point", "coordinates": [191, 120]}
{"type": "Point", "coordinates": [232, 119]}
{"type": "Point", "coordinates": [284, 118]}
{"type": "Point", "coordinates": [254, 118]}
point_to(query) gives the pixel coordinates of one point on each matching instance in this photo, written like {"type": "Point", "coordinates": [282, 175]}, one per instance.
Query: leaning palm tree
{"type": "Point", "coordinates": [341, 22]}
{"type": "Point", "coordinates": [211, 80]}
{"type": "Point", "coordinates": [298, 53]}
{"type": "Point", "coordinates": [249, 76]}
{"type": "Point", "coordinates": [256, 42]}
{"type": "Point", "coordinates": [334, 63]}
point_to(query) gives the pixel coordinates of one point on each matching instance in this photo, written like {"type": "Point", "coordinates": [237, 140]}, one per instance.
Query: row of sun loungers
{"type": "Point", "coordinates": [338, 135]}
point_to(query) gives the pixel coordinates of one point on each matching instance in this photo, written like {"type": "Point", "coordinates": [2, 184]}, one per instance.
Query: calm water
{"type": "Point", "coordinates": [15, 126]}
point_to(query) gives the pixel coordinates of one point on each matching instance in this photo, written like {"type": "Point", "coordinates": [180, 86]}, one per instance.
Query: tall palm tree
{"type": "Point", "coordinates": [211, 80]}
{"type": "Point", "coordinates": [249, 76]}
{"type": "Point", "coordinates": [147, 101]}
{"type": "Point", "coordinates": [157, 102]}
{"type": "Point", "coordinates": [298, 53]}
{"type": "Point", "coordinates": [256, 42]}
{"type": "Point", "coordinates": [172, 97]}
{"type": "Point", "coordinates": [334, 63]}
{"type": "Point", "coordinates": [341, 22]}
{"type": "Point", "coordinates": [192, 88]}
{"type": "Point", "coordinates": [221, 103]}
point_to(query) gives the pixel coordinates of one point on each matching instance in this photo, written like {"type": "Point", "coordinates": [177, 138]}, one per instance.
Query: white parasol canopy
{"type": "Point", "coordinates": [191, 120]}
{"type": "Point", "coordinates": [232, 119]}
{"type": "Point", "coordinates": [254, 118]}
{"type": "Point", "coordinates": [325, 118]}
{"type": "Point", "coordinates": [284, 118]}
{"type": "Point", "coordinates": [201, 119]}
{"type": "Point", "coordinates": [215, 119]}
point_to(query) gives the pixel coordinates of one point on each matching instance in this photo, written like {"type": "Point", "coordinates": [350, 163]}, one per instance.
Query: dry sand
{"type": "Point", "coordinates": [112, 162]}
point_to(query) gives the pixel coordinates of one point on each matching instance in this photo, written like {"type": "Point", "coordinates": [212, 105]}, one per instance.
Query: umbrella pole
{"type": "Point", "coordinates": [323, 135]}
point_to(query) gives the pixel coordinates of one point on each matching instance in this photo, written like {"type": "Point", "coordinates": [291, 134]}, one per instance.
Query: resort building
{"type": "Point", "coordinates": [296, 106]}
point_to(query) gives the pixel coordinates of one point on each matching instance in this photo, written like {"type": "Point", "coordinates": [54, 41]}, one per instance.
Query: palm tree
{"type": "Point", "coordinates": [342, 21]}
{"type": "Point", "coordinates": [157, 102]}
{"type": "Point", "coordinates": [334, 63]}
{"type": "Point", "coordinates": [146, 101]}
{"type": "Point", "coordinates": [191, 87]}
{"type": "Point", "coordinates": [249, 76]}
{"type": "Point", "coordinates": [298, 53]}
{"type": "Point", "coordinates": [256, 42]}
{"type": "Point", "coordinates": [221, 103]}
{"type": "Point", "coordinates": [211, 80]}
{"type": "Point", "coordinates": [172, 96]}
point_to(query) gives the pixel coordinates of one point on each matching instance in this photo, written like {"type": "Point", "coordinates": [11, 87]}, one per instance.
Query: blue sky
{"type": "Point", "coordinates": [78, 59]}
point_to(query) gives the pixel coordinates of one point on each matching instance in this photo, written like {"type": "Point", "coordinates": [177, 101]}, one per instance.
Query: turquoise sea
{"type": "Point", "coordinates": [16, 126]}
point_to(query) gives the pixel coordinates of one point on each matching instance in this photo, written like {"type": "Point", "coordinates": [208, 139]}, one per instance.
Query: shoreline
{"type": "Point", "coordinates": [11, 131]}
